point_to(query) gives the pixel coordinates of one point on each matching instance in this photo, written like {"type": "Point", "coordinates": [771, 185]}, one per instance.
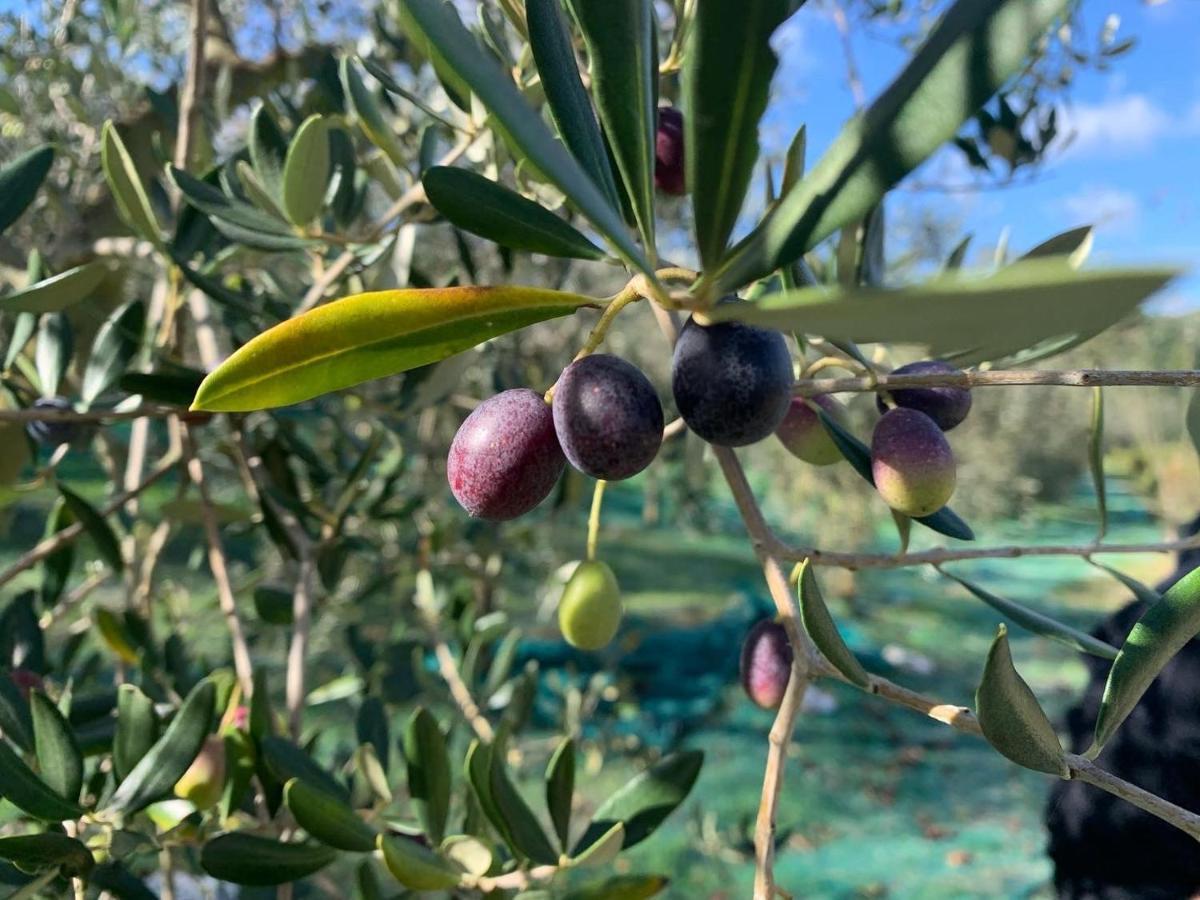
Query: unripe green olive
{"type": "Point", "coordinates": [204, 781]}
{"type": "Point", "coordinates": [590, 611]}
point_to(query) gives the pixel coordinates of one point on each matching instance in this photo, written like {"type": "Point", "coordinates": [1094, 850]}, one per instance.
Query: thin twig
{"type": "Point", "coordinates": [61, 538]}
{"type": "Point", "coordinates": [448, 669]}
{"type": "Point", "coordinates": [298, 648]}
{"type": "Point", "coordinates": [777, 743]}
{"type": "Point", "coordinates": [1003, 378]}
{"type": "Point", "coordinates": [148, 411]}
{"type": "Point", "coordinates": [220, 570]}
{"type": "Point", "coordinates": [192, 94]}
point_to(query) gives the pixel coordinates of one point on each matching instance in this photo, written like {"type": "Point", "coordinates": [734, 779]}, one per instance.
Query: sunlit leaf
{"type": "Point", "coordinates": [373, 335]}
{"type": "Point", "coordinates": [1075, 245]}
{"type": "Point", "coordinates": [1011, 718]}
{"type": "Point", "coordinates": [115, 345]}
{"type": "Point", "coordinates": [133, 203]}
{"type": "Point", "coordinates": [416, 866]}
{"type": "Point", "coordinates": [306, 171]}
{"type": "Point", "coordinates": [328, 818]}
{"type": "Point", "coordinates": [58, 292]}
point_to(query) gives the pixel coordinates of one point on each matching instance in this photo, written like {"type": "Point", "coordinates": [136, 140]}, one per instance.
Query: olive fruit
{"type": "Point", "coordinates": [50, 433]}
{"type": "Point", "coordinates": [911, 462]}
{"type": "Point", "coordinates": [669, 172]}
{"type": "Point", "coordinates": [607, 417]}
{"type": "Point", "coordinates": [590, 610]}
{"type": "Point", "coordinates": [802, 433]}
{"type": "Point", "coordinates": [204, 781]}
{"type": "Point", "coordinates": [732, 382]}
{"type": "Point", "coordinates": [505, 458]}
{"type": "Point", "coordinates": [766, 663]}
{"type": "Point", "coordinates": [947, 406]}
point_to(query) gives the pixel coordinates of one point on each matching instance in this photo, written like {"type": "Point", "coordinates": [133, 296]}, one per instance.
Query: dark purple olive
{"type": "Point", "coordinates": [669, 172]}
{"type": "Point", "coordinates": [912, 463]}
{"type": "Point", "coordinates": [49, 433]}
{"type": "Point", "coordinates": [947, 406]}
{"type": "Point", "coordinates": [766, 663]}
{"type": "Point", "coordinates": [607, 416]}
{"type": "Point", "coordinates": [803, 434]}
{"type": "Point", "coordinates": [732, 382]}
{"type": "Point", "coordinates": [505, 459]}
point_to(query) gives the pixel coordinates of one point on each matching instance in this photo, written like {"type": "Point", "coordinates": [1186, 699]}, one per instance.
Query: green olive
{"type": "Point", "coordinates": [590, 611]}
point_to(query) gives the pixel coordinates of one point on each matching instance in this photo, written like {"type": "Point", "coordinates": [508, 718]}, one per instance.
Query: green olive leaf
{"type": "Point", "coordinates": [416, 866]}
{"type": "Point", "coordinates": [1075, 245]}
{"type": "Point", "coordinates": [60, 762]}
{"type": "Point", "coordinates": [971, 52]}
{"type": "Point", "coordinates": [823, 630]}
{"type": "Point", "coordinates": [137, 729]}
{"type": "Point", "coordinates": [522, 830]}
{"type": "Point", "coordinates": [368, 336]}
{"type": "Point", "coordinates": [428, 772]}
{"type": "Point", "coordinates": [30, 794]}
{"type": "Point", "coordinates": [604, 849]}
{"type": "Point", "coordinates": [255, 861]}
{"type": "Point", "coordinates": [1159, 634]}
{"type": "Point", "coordinates": [369, 115]}
{"type": "Point", "coordinates": [1011, 718]}
{"type": "Point", "coordinates": [727, 73]}
{"type": "Point", "coordinates": [53, 352]}
{"type": "Point", "coordinates": [327, 818]}
{"type": "Point", "coordinates": [1096, 458]}
{"type": "Point", "coordinates": [439, 25]}
{"type": "Point", "coordinates": [95, 525]}
{"type": "Point", "coordinates": [620, 40]}
{"type": "Point", "coordinates": [554, 55]}
{"type": "Point", "coordinates": [490, 210]}
{"type": "Point", "coordinates": [20, 181]}
{"type": "Point", "coordinates": [114, 347]}
{"type": "Point", "coordinates": [306, 171]}
{"type": "Point", "coordinates": [50, 850]}
{"type": "Point", "coordinates": [268, 149]}
{"type": "Point", "coordinates": [1038, 623]}
{"type": "Point", "coordinates": [560, 789]}
{"type": "Point", "coordinates": [133, 203]}
{"type": "Point", "coordinates": [286, 760]}
{"type": "Point", "coordinates": [58, 292]}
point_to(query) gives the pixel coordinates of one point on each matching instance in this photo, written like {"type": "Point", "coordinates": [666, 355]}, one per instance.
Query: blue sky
{"type": "Point", "coordinates": [1131, 170]}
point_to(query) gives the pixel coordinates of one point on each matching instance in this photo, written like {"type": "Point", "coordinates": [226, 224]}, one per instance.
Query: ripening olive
{"type": "Point", "coordinates": [766, 663]}
{"type": "Point", "coordinates": [670, 174]}
{"type": "Point", "coordinates": [803, 434]}
{"type": "Point", "coordinates": [947, 406]}
{"type": "Point", "coordinates": [912, 463]}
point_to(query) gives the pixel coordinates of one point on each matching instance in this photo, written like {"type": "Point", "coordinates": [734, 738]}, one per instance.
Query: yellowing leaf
{"type": "Point", "coordinates": [368, 336]}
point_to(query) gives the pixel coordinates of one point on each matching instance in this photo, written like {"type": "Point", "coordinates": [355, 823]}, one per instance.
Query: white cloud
{"type": "Point", "coordinates": [1106, 207]}
{"type": "Point", "coordinates": [1120, 125]}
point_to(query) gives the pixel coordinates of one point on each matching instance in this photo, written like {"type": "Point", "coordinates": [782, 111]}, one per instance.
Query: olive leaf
{"type": "Point", "coordinates": [97, 528]}
{"type": "Point", "coordinates": [1143, 592]}
{"type": "Point", "coordinates": [114, 347]}
{"type": "Point", "coordinates": [59, 759]}
{"type": "Point", "coordinates": [490, 210]}
{"type": "Point", "coordinates": [286, 760]}
{"type": "Point", "coordinates": [1011, 718]}
{"type": "Point", "coordinates": [416, 866]}
{"type": "Point", "coordinates": [1096, 459]}
{"type": "Point", "coordinates": [522, 830]}
{"type": "Point", "coordinates": [560, 789]}
{"type": "Point", "coordinates": [368, 113]}
{"type": "Point", "coordinates": [1159, 634]}
{"type": "Point", "coordinates": [133, 204]}
{"type": "Point", "coordinates": [1075, 245]}
{"type": "Point", "coordinates": [328, 818]}
{"type": "Point", "coordinates": [30, 794]}
{"type": "Point", "coordinates": [54, 294]}
{"type": "Point", "coordinates": [428, 771]}
{"type": "Point", "coordinates": [727, 74]}
{"type": "Point", "coordinates": [54, 351]}
{"type": "Point", "coordinates": [255, 861]}
{"type": "Point", "coordinates": [20, 181]}
{"type": "Point", "coordinates": [268, 149]}
{"type": "Point", "coordinates": [50, 850]}
{"type": "Point", "coordinates": [306, 171]}
{"type": "Point", "coordinates": [1038, 623]}
{"type": "Point", "coordinates": [372, 335]}
{"type": "Point", "coordinates": [823, 630]}
{"type": "Point", "coordinates": [137, 729]}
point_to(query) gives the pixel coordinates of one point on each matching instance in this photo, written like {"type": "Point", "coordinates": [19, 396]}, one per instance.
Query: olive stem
{"type": "Point", "coordinates": [593, 536]}
{"type": "Point", "coordinates": [1006, 378]}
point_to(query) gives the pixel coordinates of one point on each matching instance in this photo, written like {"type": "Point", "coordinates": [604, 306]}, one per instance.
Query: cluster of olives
{"type": "Point", "coordinates": [911, 461]}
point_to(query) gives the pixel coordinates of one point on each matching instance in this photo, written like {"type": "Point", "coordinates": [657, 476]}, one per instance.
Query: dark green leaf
{"type": "Point", "coordinates": [371, 727]}
{"type": "Point", "coordinates": [55, 294]}
{"type": "Point", "coordinates": [133, 204]}
{"type": "Point", "coordinates": [1034, 621]}
{"type": "Point", "coordinates": [1075, 244]}
{"type": "Point", "coordinates": [646, 800]}
{"type": "Point", "coordinates": [619, 35]}
{"type": "Point", "coordinates": [490, 210]}
{"type": "Point", "coordinates": [726, 82]}
{"type": "Point", "coordinates": [1096, 458]}
{"type": "Point", "coordinates": [1011, 718]}
{"type": "Point", "coordinates": [16, 722]}
{"type": "Point", "coordinates": [156, 772]}
{"type": "Point", "coordinates": [56, 568]}
{"type": "Point", "coordinates": [256, 861]}
{"type": "Point", "coordinates": [823, 630]}
{"type": "Point", "coordinates": [416, 866]}
{"type": "Point", "coordinates": [306, 172]}
{"type": "Point", "coordinates": [369, 115]}
{"type": "Point", "coordinates": [274, 605]}
{"type": "Point", "coordinates": [373, 335]}
{"type": "Point", "coordinates": [20, 180]}
{"type": "Point", "coordinates": [944, 521]}
{"type": "Point", "coordinates": [521, 124]}
{"type": "Point", "coordinates": [1159, 634]}
{"type": "Point", "coordinates": [1013, 309]}
{"type": "Point", "coordinates": [554, 54]}
{"type": "Point", "coordinates": [59, 761]}
{"type": "Point", "coordinates": [28, 793]}
{"type": "Point", "coordinates": [116, 880]}
{"type": "Point", "coordinates": [170, 386]}
{"type": "Point", "coordinates": [560, 789]}
{"type": "Point", "coordinates": [428, 772]}
{"type": "Point", "coordinates": [51, 850]}
{"type": "Point", "coordinates": [137, 729]}
{"type": "Point", "coordinates": [327, 818]}
{"type": "Point", "coordinates": [975, 48]}
{"type": "Point", "coordinates": [478, 769]}
{"type": "Point", "coordinates": [1143, 593]}
{"type": "Point", "coordinates": [115, 345]}
{"type": "Point", "coordinates": [521, 828]}
{"type": "Point", "coordinates": [236, 219]}
{"type": "Point", "coordinates": [287, 761]}
{"type": "Point", "coordinates": [97, 528]}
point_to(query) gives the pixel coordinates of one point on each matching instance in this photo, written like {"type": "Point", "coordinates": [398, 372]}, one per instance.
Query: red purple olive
{"type": "Point", "coordinates": [669, 172]}
{"type": "Point", "coordinates": [947, 406]}
{"type": "Point", "coordinates": [607, 417]}
{"type": "Point", "coordinates": [802, 433]}
{"type": "Point", "coordinates": [912, 463]}
{"type": "Point", "coordinates": [732, 382]}
{"type": "Point", "coordinates": [766, 663]}
{"type": "Point", "coordinates": [505, 458]}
